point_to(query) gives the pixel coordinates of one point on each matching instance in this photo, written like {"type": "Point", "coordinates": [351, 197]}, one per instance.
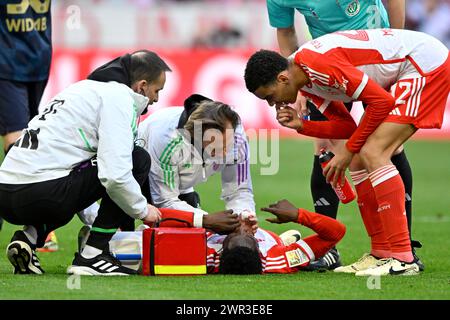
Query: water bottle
{"type": "Point", "coordinates": [345, 193]}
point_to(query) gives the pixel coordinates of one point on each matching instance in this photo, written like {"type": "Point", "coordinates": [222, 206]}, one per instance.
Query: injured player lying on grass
{"type": "Point", "coordinates": [253, 250]}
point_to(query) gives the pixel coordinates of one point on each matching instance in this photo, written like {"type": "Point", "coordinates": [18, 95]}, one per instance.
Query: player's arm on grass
{"type": "Point", "coordinates": [284, 211]}
{"type": "Point", "coordinates": [237, 190]}
{"type": "Point", "coordinates": [114, 154]}
{"type": "Point", "coordinates": [396, 12]}
{"type": "Point", "coordinates": [328, 231]}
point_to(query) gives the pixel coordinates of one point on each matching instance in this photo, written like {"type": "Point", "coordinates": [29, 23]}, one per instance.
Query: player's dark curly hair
{"type": "Point", "coordinates": [240, 260]}
{"type": "Point", "coordinates": [262, 69]}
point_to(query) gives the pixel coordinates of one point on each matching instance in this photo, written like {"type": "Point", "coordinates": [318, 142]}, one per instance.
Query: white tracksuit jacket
{"type": "Point", "coordinates": [177, 165]}
{"type": "Point", "coordinates": [88, 118]}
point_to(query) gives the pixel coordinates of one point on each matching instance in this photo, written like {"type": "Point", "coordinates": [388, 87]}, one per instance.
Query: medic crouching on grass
{"type": "Point", "coordinates": [79, 149]}
{"type": "Point", "coordinates": [48, 175]}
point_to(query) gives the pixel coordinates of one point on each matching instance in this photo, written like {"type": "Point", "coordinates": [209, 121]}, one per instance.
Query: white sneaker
{"type": "Point", "coordinates": [291, 236]}
{"type": "Point", "coordinates": [393, 267]}
{"type": "Point", "coordinates": [365, 262]}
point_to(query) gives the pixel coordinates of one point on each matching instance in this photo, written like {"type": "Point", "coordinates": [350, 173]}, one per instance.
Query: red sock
{"type": "Point", "coordinates": [368, 207]}
{"type": "Point", "coordinates": [390, 194]}
{"type": "Point", "coordinates": [329, 231]}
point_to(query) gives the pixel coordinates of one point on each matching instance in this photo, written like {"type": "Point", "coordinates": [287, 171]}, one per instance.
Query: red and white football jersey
{"type": "Point", "coordinates": [275, 256]}
{"type": "Point", "coordinates": [363, 65]}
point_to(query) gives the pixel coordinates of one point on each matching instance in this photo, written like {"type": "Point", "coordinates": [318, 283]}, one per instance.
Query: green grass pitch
{"type": "Point", "coordinates": [430, 162]}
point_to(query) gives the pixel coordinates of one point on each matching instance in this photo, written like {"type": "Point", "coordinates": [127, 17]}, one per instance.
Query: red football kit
{"type": "Point", "coordinates": [402, 76]}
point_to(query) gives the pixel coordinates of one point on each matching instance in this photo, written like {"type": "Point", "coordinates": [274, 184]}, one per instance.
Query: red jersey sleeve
{"type": "Point", "coordinates": [379, 104]}
{"type": "Point", "coordinates": [332, 70]}
{"type": "Point", "coordinates": [340, 124]}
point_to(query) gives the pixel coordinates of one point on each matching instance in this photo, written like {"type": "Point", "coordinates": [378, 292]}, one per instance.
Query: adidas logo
{"type": "Point", "coordinates": [105, 266]}
{"type": "Point", "coordinates": [329, 259]}
{"type": "Point", "coordinates": [321, 202]}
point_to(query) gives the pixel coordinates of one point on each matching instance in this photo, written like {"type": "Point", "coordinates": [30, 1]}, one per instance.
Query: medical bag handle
{"type": "Point", "coordinates": [156, 225]}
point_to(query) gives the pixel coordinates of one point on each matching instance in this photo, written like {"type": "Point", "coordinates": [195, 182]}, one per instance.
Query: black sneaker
{"type": "Point", "coordinates": [417, 245]}
{"type": "Point", "coordinates": [21, 253]}
{"type": "Point", "coordinates": [102, 265]}
{"type": "Point", "coordinates": [330, 261]}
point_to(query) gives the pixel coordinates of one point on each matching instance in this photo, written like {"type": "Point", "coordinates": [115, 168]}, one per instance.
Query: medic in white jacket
{"type": "Point", "coordinates": [178, 166]}
{"type": "Point", "coordinates": [99, 119]}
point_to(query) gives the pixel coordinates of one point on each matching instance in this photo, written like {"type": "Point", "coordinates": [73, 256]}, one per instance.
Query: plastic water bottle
{"type": "Point", "coordinates": [344, 192]}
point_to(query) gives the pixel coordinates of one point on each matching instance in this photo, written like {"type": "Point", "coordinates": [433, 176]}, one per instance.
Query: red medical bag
{"type": "Point", "coordinates": [173, 251]}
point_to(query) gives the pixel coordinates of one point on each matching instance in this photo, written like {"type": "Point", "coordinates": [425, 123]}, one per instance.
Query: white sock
{"type": "Point", "coordinates": [31, 233]}
{"type": "Point", "coordinates": [90, 252]}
